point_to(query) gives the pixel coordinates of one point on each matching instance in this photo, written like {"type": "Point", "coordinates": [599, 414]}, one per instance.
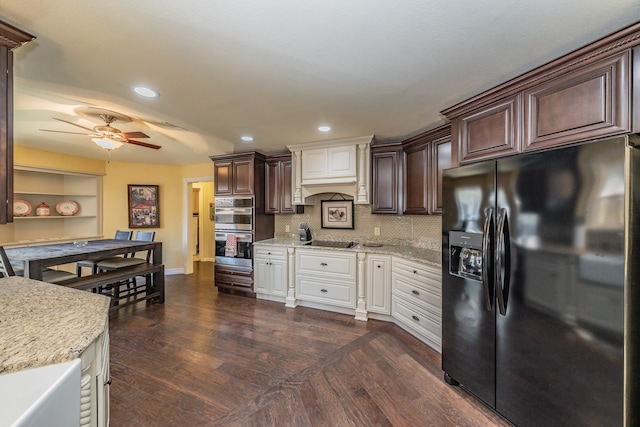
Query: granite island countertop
{"type": "Point", "coordinates": [42, 324]}
{"type": "Point", "coordinates": [412, 253]}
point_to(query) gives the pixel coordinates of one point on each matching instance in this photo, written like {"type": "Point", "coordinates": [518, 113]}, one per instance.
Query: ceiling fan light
{"type": "Point", "coordinates": [107, 143]}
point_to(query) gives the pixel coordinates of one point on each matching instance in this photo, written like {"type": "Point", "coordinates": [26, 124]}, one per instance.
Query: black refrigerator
{"type": "Point", "coordinates": [536, 270]}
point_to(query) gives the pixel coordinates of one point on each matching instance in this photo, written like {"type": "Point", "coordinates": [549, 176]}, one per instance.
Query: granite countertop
{"type": "Point", "coordinates": [412, 253]}
{"type": "Point", "coordinates": [42, 324]}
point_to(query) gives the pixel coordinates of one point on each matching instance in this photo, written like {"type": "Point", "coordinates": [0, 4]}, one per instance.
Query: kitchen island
{"type": "Point", "coordinates": [43, 324]}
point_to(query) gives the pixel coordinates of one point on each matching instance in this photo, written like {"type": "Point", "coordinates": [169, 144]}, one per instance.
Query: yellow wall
{"type": "Point", "coordinates": [117, 175]}
{"type": "Point", "coordinates": [46, 159]}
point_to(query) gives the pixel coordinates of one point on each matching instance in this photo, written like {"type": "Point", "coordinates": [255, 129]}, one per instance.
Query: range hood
{"type": "Point", "coordinates": [335, 166]}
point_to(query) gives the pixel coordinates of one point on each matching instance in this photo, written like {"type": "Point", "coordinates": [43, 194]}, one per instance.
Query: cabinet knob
{"type": "Point", "coordinates": [415, 292]}
{"type": "Point", "coordinates": [415, 271]}
{"type": "Point", "coordinates": [416, 318]}
{"type": "Point", "coordinates": [324, 264]}
{"type": "Point", "coordinates": [323, 290]}
{"type": "Point", "coordinates": [108, 382]}
{"type": "Point", "coordinates": [378, 266]}
{"type": "Point", "coordinates": [268, 253]}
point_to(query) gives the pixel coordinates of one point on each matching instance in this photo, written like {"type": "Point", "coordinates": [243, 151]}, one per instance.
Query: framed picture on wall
{"type": "Point", "coordinates": [337, 214]}
{"type": "Point", "coordinates": [144, 207]}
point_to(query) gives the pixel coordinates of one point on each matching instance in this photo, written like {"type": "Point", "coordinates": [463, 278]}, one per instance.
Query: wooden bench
{"type": "Point", "coordinates": [115, 279]}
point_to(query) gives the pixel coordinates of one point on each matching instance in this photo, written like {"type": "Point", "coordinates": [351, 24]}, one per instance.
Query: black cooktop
{"type": "Point", "coordinates": [330, 244]}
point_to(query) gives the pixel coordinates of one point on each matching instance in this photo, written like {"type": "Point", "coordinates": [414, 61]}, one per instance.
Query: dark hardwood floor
{"type": "Point", "coordinates": [210, 359]}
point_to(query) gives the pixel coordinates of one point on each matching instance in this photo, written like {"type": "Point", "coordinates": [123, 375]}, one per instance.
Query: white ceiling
{"type": "Point", "coordinates": [276, 69]}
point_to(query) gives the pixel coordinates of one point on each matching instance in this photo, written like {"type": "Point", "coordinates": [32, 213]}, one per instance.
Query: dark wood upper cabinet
{"type": "Point", "coordinates": [440, 160]}
{"type": "Point", "coordinates": [278, 197]}
{"type": "Point", "coordinates": [386, 177]}
{"type": "Point", "coordinates": [490, 131]}
{"type": "Point", "coordinates": [239, 174]}
{"type": "Point", "coordinates": [416, 176]}
{"type": "Point", "coordinates": [10, 38]}
{"type": "Point", "coordinates": [243, 177]}
{"type": "Point", "coordinates": [590, 93]}
{"type": "Point", "coordinates": [584, 104]}
{"type": "Point", "coordinates": [425, 157]}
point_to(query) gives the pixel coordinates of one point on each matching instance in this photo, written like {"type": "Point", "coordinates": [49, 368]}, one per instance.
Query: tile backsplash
{"type": "Point", "coordinates": [418, 230]}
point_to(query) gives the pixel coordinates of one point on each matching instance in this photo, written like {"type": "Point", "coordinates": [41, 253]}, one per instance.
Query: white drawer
{"type": "Point", "coordinates": [318, 290]}
{"type": "Point", "coordinates": [416, 271]}
{"type": "Point", "coordinates": [419, 295]}
{"type": "Point", "coordinates": [324, 264]}
{"type": "Point", "coordinates": [269, 252]}
{"type": "Point", "coordinates": [420, 320]}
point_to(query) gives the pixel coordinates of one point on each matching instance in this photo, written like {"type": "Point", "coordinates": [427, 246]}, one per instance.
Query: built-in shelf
{"type": "Point", "coordinates": [51, 186]}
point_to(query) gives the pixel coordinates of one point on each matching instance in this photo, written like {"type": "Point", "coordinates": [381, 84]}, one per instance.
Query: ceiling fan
{"type": "Point", "coordinates": [107, 136]}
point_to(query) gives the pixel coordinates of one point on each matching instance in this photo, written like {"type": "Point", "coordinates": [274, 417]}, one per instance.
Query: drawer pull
{"type": "Point", "coordinates": [416, 318]}
{"type": "Point", "coordinates": [415, 271]}
{"type": "Point", "coordinates": [108, 383]}
{"type": "Point", "coordinates": [323, 290]}
{"type": "Point", "coordinates": [415, 292]}
{"type": "Point", "coordinates": [324, 264]}
{"type": "Point", "coordinates": [268, 253]}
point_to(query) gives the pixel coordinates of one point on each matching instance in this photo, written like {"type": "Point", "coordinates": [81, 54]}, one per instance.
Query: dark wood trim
{"type": "Point", "coordinates": [6, 140]}
{"type": "Point", "coordinates": [12, 37]}
{"type": "Point", "coordinates": [606, 46]}
{"type": "Point", "coordinates": [635, 87]}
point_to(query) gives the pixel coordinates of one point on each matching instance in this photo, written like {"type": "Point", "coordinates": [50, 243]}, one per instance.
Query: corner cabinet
{"type": "Point", "coordinates": [37, 185]}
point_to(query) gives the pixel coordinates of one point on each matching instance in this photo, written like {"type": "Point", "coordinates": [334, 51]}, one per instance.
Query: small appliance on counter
{"type": "Point", "coordinates": [305, 232]}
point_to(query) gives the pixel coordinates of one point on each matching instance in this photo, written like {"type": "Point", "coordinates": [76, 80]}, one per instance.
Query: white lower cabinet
{"type": "Point", "coordinates": [417, 299]}
{"type": "Point", "coordinates": [379, 284]}
{"type": "Point", "coordinates": [325, 277]}
{"type": "Point", "coordinates": [270, 273]}
{"type": "Point", "coordinates": [94, 383]}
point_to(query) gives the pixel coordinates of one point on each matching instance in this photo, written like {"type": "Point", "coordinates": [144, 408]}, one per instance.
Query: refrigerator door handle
{"type": "Point", "coordinates": [503, 261]}
{"type": "Point", "coordinates": [486, 237]}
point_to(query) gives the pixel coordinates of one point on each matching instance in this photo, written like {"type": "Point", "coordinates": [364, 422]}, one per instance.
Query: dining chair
{"type": "Point", "coordinates": [48, 275]}
{"type": "Point", "coordinates": [115, 263]}
{"type": "Point", "coordinates": [93, 264]}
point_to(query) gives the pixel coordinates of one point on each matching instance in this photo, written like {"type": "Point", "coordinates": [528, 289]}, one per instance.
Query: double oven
{"type": "Point", "coordinates": [234, 230]}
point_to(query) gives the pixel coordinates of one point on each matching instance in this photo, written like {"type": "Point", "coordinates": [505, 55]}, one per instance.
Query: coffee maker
{"type": "Point", "coordinates": [304, 232]}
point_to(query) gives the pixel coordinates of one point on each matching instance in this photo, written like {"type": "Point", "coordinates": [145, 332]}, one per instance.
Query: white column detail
{"type": "Point", "coordinates": [363, 168]}
{"type": "Point", "coordinates": [291, 291]}
{"type": "Point", "coordinates": [85, 400]}
{"type": "Point", "coordinates": [297, 179]}
{"type": "Point", "coordinates": [361, 307]}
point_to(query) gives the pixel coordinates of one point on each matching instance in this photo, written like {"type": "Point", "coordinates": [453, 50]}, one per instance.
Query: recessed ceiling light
{"type": "Point", "coordinates": [145, 91]}
{"type": "Point", "coordinates": [246, 138]}
{"type": "Point", "coordinates": [324, 128]}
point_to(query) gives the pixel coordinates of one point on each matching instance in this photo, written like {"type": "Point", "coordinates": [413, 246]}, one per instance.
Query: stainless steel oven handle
{"type": "Point", "coordinates": [239, 236]}
{"type": "Point", "coordinates": [486, 236]}
{"type": "Point", "coordinates": [247, 211]}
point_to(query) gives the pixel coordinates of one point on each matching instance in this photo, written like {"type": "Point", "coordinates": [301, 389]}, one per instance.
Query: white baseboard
{"type": "Point", "coordinates": [173, 271]}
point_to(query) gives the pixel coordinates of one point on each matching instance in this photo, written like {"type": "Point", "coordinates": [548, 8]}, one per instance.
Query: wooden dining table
{"type": "Point", "coordinates": [34, 259]}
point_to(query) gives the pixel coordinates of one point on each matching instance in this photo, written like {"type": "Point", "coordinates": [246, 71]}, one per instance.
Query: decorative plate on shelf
{"type": "Point", "coordinates": [67, 208]}
{"type": "Point", "coordinates": [21, 208]}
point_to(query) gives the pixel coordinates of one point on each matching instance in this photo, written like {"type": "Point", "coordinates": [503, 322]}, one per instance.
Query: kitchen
{"type": "Point", "coordinates": [429, 241]}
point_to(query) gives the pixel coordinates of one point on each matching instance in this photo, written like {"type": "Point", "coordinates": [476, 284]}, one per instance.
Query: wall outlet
{"type": "Point", "coordinates": [286, 228]}
{"type": "Point", "coordinates": [376, 231]}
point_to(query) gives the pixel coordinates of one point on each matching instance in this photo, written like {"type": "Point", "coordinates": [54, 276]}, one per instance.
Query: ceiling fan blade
{"type": "Point", "coordinates": [144, 144]}
{"type": "Point", "coordinates": [72, 133]}
{"type": "Point", "coordinates": [74, 124]}
{"type": "Point", "coordinates": [134, 135]}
